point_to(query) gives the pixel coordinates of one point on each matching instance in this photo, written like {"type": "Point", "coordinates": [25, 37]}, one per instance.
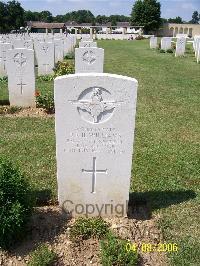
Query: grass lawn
{"type": "Point", "coordinates": [166, 161]}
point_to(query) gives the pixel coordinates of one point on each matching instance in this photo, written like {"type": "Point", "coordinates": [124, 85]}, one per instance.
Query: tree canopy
{"type": "Point", "coordinates": [175, 20]}
{"type": "Point", "coordinates": [146, 13]}
{"type": "Point", "coordinates": [12, 16]}
{"type": "Point", "coordinates": [195, 17]}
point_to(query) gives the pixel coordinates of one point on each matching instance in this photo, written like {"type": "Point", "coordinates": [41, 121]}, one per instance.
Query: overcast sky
{"type": "Point", "coordinates": [170, 8]}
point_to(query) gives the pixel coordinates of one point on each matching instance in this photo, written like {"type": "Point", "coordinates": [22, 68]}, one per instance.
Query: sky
{"type": "Point", "coordinates": [169, 8]}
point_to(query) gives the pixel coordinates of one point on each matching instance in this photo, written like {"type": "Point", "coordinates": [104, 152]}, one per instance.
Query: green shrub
{"type": "Point", "coordinates": [3, 79]}
{"type": "Point", "coordinates": [63, 68]}
{"type": "Point", "coordinates": [162, 51]}
{"type": "Point", "coordinates": [46, 102]}
{"type": "Point", "coordinates": [170, 51]}
{"type": "Point", "coordinates": [46, 77]}
{"type": "Point", "coordinates": [70, 56]}
{"type": "Point", "coordinates": [15, 203]}
{"type": "Point", "coordinates": [85, 228]}
{"type": "Point", "coordinates": [42, 256]}
{"type": "Point", "coordinates": [113, 252]}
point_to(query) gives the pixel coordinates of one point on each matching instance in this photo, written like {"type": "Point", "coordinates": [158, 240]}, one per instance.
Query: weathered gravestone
{"type": "Point", "coordinates": [85, 44]}
{"type": "Point", "coordinates": [59, 50]}
{"type": "Point", "coordinates": [68, 45]}
{"type": "Point", "coordinates": [180, 46]}
{"type": "Point", "coordinates": [88, 60]}
{"type": "Point", "coordinates": [21, 77]}
{"type": "Point", "coordinates": [95, 121]}
{"type": "Point", "coordinates": [45, 57]}
{"type": "Point", "coordinates": [23, 44]}
{"type": "Point", "coordinates": [86, 38]}
{"type": "Point", "coordinates": [166, 43]}
{"type": "Point", "coordinates": [4, 47]}
{"type": "Point", "coordinates": [153, 42]}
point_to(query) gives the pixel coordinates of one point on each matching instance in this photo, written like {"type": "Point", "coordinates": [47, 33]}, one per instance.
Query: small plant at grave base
{"type": "Point", "coordinates": [113, 252]}
{"type": "Point", "coordinates": [139, 37]}
{"type": "Point", "coordinates": [85, 228]}
{"type": "Point", "coordinates": [15, 204]}
{"type": "Point", "coordinates": [14, 109]}
{"type": "Point", "coordinates": [46, 78]}
{"type": "Point", "coordinates": [42, 256]}
{"type": "Point", "coordinates": [3, 79]}
{"type": "Point", "coordinates": [63, 68]}
{"type": "Point", "coordinates": [46, 102]}
{"type": "Point", "coordinates": [162, 51]}
{"type": "Point", "coordinates": [70, 56]}
{"type": "Point", "coordinates": [173, 46]}
{"type": "Point", "coordinates": [9, 110]}
{"type": "Point", "coordinates": [170, 51]}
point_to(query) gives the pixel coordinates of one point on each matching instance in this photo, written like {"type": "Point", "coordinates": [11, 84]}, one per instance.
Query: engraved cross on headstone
{"type": "Point", "coordinates": [21, 84]}
{"type": "Point", "coordinates": [94, 172]}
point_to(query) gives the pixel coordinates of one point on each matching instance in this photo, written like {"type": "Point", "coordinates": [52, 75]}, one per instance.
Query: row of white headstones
{"type": "Point", "coordinates": [95, 122]}
{"type": "Point", "coordinates": [166, 44]}
{"type": "Point", "coordinates": [19, 57]}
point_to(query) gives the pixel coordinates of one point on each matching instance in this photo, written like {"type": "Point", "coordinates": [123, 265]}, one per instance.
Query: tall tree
{"type": "Point", "coordinates": [195, 17]}
{"type": "Point", "coordinates": [46, 16]}
{"type": "Point", "coordinates": [3, 17]}
{"type": "Point", "coordinates": [146, 13]}
{"type": "Point", "coordinates": [15, 18]}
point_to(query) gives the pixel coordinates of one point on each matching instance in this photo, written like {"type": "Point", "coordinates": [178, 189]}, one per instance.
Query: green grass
{"type": "Point", "coordinates": [166, 151]}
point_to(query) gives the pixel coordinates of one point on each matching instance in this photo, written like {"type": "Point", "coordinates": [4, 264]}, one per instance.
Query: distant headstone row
{"type": "Point", "coordinates": [18, 57]}
{"type": "Point", "coordinates": [166, 44]}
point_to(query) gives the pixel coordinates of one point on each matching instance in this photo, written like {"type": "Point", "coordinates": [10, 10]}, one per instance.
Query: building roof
{"type": "Point", "coordinates": [123, 24]}
{"type": "Point", "coordinates": [86, 24]}
{"type": "Point", "coordinates": [71, 23]}
{"type": "Point", "coordinates": [44, 25]}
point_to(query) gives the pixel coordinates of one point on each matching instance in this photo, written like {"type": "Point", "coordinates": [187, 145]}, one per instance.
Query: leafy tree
{"type": "Point", "coordinates": [3, 17]}
{"type": "Point", "coordinates": [31, 16]}
{"type": "Point", "coordinates": [15, 15]}
{"type": "Point", "coordinates": [102, 19]}
{"type": "Point", "coordinates": [175, 20]}
{"type": "Point", "coordinates": [195, 17]}
{"type": "Point", "coordinates": [46, 16]}
{"type": "Point", "coordinates": [146, 13]}
{"type": "Point", "coordinates": [60, 19]}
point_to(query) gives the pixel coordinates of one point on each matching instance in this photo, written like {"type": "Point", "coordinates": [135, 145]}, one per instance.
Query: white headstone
{"type": "Point", "coordinates": [23, 44]}
{"type": "Point", "coordinates": [21, 77]}
{"type": "Point", "coordinates": [166, 43]}
{"type": "Point", "coordinates": [86, 44]}
{"type": "Point", "coordinates": [153, 42]}
{"type": "Point", "coordinates": [59, 50]}
{"type": "Point", "coordinates": [4, 47]}
{"type": "Point", "coordinates": [89, 60]}
{"type": "Point", "coordinates": [45, 58]}
{"type": "Point", "coordinates": [180, 46]}
{"type": "Point", "coordinates": [95, 121]}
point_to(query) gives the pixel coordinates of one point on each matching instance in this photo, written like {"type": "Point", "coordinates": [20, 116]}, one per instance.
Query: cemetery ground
{"type": "Point", "coordinates": [165, 174]}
